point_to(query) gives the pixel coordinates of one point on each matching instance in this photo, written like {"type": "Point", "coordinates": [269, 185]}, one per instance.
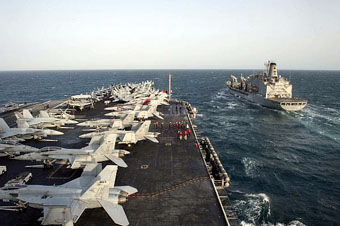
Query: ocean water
{"type": "Point", "coordinates": [284, 167]}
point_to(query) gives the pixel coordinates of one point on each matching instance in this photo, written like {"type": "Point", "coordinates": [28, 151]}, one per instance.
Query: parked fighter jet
{"type": "Point", "coordinates": [64, 120]}
{"type": "Point", "coordinates": [130, 92]}
{"type": "Point", "coordinates": [121, 107]}
{"type": "Point", "coordinates": [44, 120]}
{"type": "Point", "coordinates": [64, 204]}
{"type": "Point", "coordinates": [141, 114]}
{"type": "Point", "coordinates": [129, 137]}
{"type": "Point", "coordinates": [60, 113]}
{"type": "Point", "coordinates": [100, 148]}
{"type": "Point", "coordinates": [23, 131]}
{"type": "Point", "coordinates": [127, 121]}
{"type": "Point", "coordinates": [11, 148]}
{"type": "Point", "coordinates": [142, 133]}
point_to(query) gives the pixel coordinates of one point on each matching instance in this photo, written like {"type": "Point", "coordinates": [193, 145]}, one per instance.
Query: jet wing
{"type": "Point", "coordinates": [57, 211]}
{"type": "Point", "coordinates": [118, 161]}
{"type": "Point", "coordinates": [116, 212]}
{"type": "Point", "coordinates": [57, 215]}
{"type": "Point", "coordinates": [77, 209]}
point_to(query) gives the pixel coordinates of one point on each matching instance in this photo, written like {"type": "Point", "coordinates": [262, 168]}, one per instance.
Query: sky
{"type": "Point", "coordinates": [144, 34]}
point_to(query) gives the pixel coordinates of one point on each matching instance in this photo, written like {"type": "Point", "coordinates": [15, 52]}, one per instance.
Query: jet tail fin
{"type": "Point", "coordinates": [116, 212]}
{"type": "Point", "coordinates": [129, 118]}
{"type": "Point", "coordinates": [144, 128]}
{"type": "Point", "coordinates": [95, 140]}
{"type": "Point", "coordinates": [3, 125]}
{"type": "Point", "coordinates": [18, 115]}
{"type": "Point", "coordinates": [27, 114]}
{"type": "Point", "coordinates": [137, 107]}
{"type": "Point", "coordinates": [22, 124]}
{"type": "Point", "coordinates": [44, 114]}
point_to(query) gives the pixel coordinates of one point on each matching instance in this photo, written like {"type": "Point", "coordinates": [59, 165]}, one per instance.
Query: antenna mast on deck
{"type": "Point", "coordinates": [169, 86]}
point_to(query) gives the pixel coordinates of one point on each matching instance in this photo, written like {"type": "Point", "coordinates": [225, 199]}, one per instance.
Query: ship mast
{"type": "Point", "coordinates": [169, 86]}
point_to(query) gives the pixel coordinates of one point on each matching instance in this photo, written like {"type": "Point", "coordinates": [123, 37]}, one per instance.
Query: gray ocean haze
{"type": "Point", "coordinates": [284, 167]}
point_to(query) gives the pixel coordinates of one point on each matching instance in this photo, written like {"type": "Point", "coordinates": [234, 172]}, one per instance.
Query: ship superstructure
{"type": "Point", "coordinates": [268, 89]}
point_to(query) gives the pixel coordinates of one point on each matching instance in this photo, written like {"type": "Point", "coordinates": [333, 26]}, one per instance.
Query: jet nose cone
{"type": "Point", "coordinates": [84, 136]}
{"type": "Point", "coordinates": [72, 122]}
{"type": "Point", "coordinates": [55, 132]}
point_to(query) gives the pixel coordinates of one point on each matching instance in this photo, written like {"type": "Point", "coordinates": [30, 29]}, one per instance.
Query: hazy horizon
{"type": "Point", "coordinates": [169, 35]}
{"type": "Point", "coordinates": [167, 70]}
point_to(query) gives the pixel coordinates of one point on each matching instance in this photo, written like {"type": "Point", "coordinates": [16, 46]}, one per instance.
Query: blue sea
{"type": "Point", "coordinates": [284, 167]}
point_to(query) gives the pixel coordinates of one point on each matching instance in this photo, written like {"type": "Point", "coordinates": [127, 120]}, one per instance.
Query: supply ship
{"type": "Point", "coordinates": [268, 89]}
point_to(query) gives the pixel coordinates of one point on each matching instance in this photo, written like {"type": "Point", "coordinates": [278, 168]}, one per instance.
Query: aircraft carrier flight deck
{"type": "Point", "coordinates": [179, 182]}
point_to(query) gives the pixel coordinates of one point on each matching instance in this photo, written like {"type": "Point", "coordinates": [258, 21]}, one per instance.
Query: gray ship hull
{"type": "Point", "coordinates": [286, 104]}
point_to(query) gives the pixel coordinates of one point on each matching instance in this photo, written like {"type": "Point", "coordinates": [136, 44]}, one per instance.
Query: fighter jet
{"type": "Point", "coordinates": [121, 107]}
{"type": "Point", "coordinates": [126, 121]}
{"type": "Point", "coordinates": [60, 113]}
{"type": "Point", "coordinates": [24, 132]}
{"type": "Point", "coordinates": [64, 204]}
{"type": "Point", "coordinates": [141, 114]}
{"type": "Point", "coordinates": [100, 148]}
{"type": "Point", "coordinates": [11, 148]}
{"type": "Point", "coordinates": [44, 120]}
{"type": "Point", "coordinates": [129, 137]}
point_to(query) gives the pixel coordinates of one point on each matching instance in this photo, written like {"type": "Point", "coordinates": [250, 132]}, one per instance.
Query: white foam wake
{"type": "Point", "coordinates": [324, 121]}
{"type": "Point", "coordinates": [255, 208]}
{"type": "Point", "coordinates": [251, 167]}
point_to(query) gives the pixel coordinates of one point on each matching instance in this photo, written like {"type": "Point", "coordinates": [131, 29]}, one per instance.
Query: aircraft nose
{"type": "Point", "coordinates": [82, 124]}
{"type": "Point", "coordinates": [72, 122]}
{"type": "Point", "coordinates": [84, 136]}
{"type": "Point", "coordinates": [55, 133]}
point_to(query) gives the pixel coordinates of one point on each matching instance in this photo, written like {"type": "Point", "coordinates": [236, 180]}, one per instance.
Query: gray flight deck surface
{"type": "Point", "coordinates": [173, 185]}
